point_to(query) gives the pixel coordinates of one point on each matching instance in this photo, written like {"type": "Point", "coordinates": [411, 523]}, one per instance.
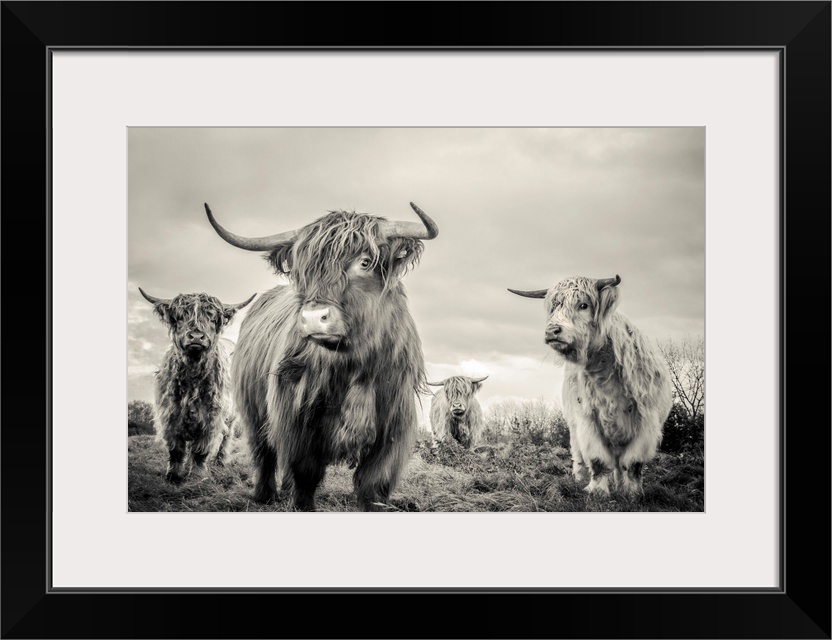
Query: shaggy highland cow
{"type": "Point", "coordinates": [328, 367]}
{"type": "Point", "coordinates": [194, 408]}
{"type": "Point", "coordinates": [456, 412]}
{"type": "Point", "coordinates": [617, 392]}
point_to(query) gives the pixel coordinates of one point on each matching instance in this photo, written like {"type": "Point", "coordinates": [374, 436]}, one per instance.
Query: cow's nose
{"type": "Point", "coordinates": [552, 332]}
{"type": "Point", "coordinates": [457, 405]}
{"type": "Point", "coordinates": [195, 334]}
{"type": "Point", "coordinates": [316, 320]}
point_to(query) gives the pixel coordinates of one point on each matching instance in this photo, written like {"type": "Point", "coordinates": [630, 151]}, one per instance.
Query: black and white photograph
{"type": "Point", "coordinates": [344, 267]}
{"type": "Point", "coordinates": [416, 319]}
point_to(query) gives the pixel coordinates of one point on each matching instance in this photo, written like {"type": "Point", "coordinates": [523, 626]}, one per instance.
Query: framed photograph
{"type": "Point", "coordinates": [673, 155]}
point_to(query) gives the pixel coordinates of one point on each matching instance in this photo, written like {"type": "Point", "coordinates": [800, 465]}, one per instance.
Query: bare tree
{"type": "Point", "coordinates": [686, 361]}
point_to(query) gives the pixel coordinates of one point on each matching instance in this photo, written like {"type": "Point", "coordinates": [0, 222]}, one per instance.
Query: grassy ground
{"type": "Point", "coordinates": [506, 475]}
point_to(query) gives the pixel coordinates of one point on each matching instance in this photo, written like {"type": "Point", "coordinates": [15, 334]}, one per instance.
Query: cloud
{"type": "Point", "coordinates": [516, 207]}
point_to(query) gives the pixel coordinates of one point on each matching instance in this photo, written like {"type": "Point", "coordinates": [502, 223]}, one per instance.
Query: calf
{"type": "Point", "coordinates": [194, 408]}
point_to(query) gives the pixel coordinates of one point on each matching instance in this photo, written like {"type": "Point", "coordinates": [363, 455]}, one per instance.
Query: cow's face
{"type": "Point", "coordinates": [576, 310]}
{"type": "Point", "coordinates": [194, 320]}
{"type": "Point", "coordinates": [341, 270]}
{"type": "Point", "coordinates": [341, 266]}
{"type": "Point", "coordinates": [459, 391]}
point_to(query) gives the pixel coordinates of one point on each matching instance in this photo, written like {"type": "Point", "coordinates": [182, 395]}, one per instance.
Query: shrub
{"type": "Point", "coordinates": [683, 433]}
{"type": "Point", "coordinates": [139, 428]}
{"type": "Point", "coordinates": [532, 421]}
{"type": "Point", "coordinates": [140, 418]}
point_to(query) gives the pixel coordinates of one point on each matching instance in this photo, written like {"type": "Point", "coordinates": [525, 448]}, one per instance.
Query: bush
{"type": "Point", "coordinates": [683, 433]}
{"type": "Point", "coordinates": [139, 428]}
{"type": "Point", "coordinates": [532, 421]}
{"type": "Point", "coordinates": [140, 418]}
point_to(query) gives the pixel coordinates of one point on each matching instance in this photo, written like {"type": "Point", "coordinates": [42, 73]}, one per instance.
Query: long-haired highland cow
{"type": "Point", "coordinates": [328, 367]}
{"type": "Point", "coordinates": [617, 391]}
{"type": "Point", "coordinates": [456, 412]}
{"type": "Point", "coordinates": [194, 408]}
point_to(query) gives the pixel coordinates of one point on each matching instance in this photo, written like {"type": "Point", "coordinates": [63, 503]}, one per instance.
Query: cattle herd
{"type": "Point", "coordinates": [327, 368]}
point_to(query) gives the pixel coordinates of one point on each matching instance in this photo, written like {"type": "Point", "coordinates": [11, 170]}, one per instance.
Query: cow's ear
{"type": "Point", "coordinates": [404, 254]}
{"type": "Point", "coordinates": [280, 259]}
{"type": "Point", "coordinates": [230, 310]}
{"type": "Point", "coordinates": [607, 301]}
{"type": "Point", "coordinates": [228, 314]}
{"type": "Point", "coordinates": [162, 311]}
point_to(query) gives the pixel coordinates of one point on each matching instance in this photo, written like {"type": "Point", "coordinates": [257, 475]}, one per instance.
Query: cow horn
{"type": "Point", "coordinates": [152, 299]}
{"type": "Point", "coordinates": [540, 293]}
{"type": "Point", "coordinates": [436, 384]}
{"type": "Point", "coordinates": [476, 380]}
{"type": "Point", "coordinates": [426, 230]}
{"type": "Point", "coordinates": [266, 243]}
{"type": "Point", "coordinates": [607, 282]}
{"type": "Point", "coordinates": [237, 307]}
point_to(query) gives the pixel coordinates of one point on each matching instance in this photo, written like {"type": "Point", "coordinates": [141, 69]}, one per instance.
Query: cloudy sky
{"type": "Point", "coordinates": [516, 207]}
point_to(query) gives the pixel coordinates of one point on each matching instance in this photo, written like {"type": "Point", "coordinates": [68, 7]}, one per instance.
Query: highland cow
{"type": "Point", "coordinates": [194, 407]}
{"type": "Point", "coordinates": [456, 412]}
{"type": "Point", "coordinates": [617, 391]}
{"type": "Point", "coordinates": [327, 368]}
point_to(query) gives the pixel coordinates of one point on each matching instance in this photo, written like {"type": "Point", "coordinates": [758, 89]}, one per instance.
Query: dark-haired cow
{"type": "Point", "coordinates": [616, 391]}
{"type": "Point", "coordinates": [455, 411]}
{"type": "Point", "coordinates": [194, 407]}
{"type": "Point", "coordinates": [328, 368]}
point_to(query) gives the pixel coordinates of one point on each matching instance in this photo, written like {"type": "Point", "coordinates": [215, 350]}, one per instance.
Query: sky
{"type": "Point", "coordinates": [516, 207]}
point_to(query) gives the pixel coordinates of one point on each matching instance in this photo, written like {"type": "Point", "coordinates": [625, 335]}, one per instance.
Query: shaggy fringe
{"type": "Point", "coordinates": [316, 262]}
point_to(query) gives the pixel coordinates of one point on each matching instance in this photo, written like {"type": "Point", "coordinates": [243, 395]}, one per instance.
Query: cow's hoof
{"type": "Point", "coordinates": [174, 478]}
{"type": "Point", "coordinates": [265, 497]}
{"type": "Point", "coordinates": [597, 491]}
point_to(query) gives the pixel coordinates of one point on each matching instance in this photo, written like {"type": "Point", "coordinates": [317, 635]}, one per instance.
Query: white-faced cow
{"type": "Point", "coordinates": [617, 392]}
{"type": "Point", "coordinates": [194, 407]}
{"type": "Point", "coordinates": [328, 367]}
{"type": "Point", "coordinates": [456, 412]}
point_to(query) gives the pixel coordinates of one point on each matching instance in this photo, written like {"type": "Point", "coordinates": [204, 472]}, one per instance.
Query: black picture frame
{"type": "Point", "coordinates": [799, 31]}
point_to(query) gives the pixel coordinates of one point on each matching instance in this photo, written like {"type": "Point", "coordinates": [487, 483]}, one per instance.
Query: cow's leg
{"type": "Point", "coordinates": [307, 474]}
{"type": "Point", "coordinates": [378, 472]}
{"type": "Point", "coordinates": [264, 458]}
{"type": "Point", "coordinates": [641, 450]}
{"type": "Point", "coordinates": [600, 472]}
{"type": "Point", "coordinates": [205, 445]}
{"type": "Point", "coordinates": [199, 458]}
{"type": "Point", "coordinates": [632, 477]}
{"type": "Point", "coordinates": [177, 448]}
{"type": "Point", "coordinates": [579, 468]}
{"type": "Point", "coordinates": [227, 433]}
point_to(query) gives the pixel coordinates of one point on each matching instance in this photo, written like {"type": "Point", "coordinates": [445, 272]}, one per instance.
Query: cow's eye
{"type": "Point", "coordinates": [365, 263]}
{"type": "Point", "coordinates": [583, 305]}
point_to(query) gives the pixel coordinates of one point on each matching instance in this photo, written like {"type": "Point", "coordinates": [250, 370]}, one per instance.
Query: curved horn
{"type": "Point", "coordinates": [436, 384]}
{"type": "Point", "coordinates": [539, 293]}
{"type": "Point", "coordinates": [426, 230]}
{"type": "Point", "coordinates": [476, 380]}
{"type": "Point", "coordinates": [607, 282]}
{"type": "Point", "coordinates": [266, 243]}
{"type": "Point", "coordinates": [152, 299]}
{"type": "Point", "coordinates": [237, 307]}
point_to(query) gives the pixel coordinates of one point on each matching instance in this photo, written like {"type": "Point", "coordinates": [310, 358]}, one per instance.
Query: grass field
{"type": "Point", "coordinates": [509, 473]}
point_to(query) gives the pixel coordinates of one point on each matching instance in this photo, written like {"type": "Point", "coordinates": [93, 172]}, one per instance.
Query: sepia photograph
{"type": "Point", "coordinates": [416, 319]}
